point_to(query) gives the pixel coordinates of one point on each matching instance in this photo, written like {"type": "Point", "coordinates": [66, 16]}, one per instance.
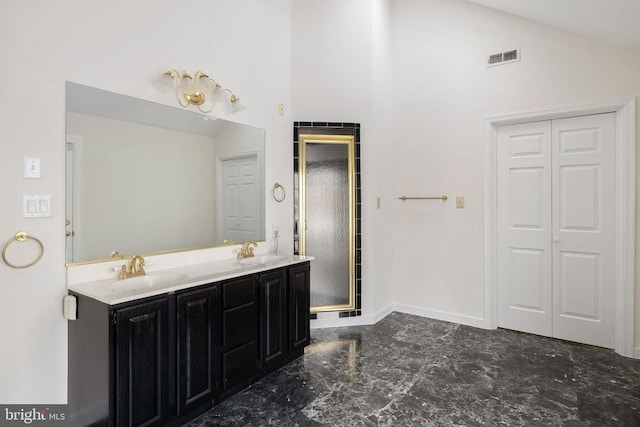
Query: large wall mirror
{"type": "Point", "coordinates": [145, 178]}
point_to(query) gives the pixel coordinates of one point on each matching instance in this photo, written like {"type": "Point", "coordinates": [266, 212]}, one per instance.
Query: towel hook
{"type": "Point", "coordinates": [278, 192]}
{"type": "Point", "coordinates": [22, 236]}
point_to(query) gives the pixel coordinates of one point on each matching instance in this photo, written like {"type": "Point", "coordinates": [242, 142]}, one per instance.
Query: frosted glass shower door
{"type": "Point", "coordinates": [327, 214]}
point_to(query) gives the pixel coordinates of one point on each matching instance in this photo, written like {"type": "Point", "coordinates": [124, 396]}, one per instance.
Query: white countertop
{"type": "Point", "coordinates": [116, 291]}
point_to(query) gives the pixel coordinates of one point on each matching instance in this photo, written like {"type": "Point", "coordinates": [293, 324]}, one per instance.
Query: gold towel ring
{"type": "Point", "coordinates": [278, 192]}
{"type": "Point", "coordinates": [21, 236]}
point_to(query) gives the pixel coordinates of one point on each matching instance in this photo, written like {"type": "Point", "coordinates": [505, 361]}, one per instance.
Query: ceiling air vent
{"type": "Point", "coordinates": [505, 57]}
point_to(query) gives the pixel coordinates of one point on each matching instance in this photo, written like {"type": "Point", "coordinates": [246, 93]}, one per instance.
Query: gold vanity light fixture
{"type": "Point", "coordinates": [199, 90]}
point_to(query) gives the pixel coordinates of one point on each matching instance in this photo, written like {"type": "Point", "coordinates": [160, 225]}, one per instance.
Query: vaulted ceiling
{"type": "Point", "coordinates": [613, 21]}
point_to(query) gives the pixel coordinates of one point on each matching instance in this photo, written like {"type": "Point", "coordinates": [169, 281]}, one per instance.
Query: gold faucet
{"type": "Point", "coordinates": [247, 248]}
{"type": "Point", "coordinates": [136, 268]}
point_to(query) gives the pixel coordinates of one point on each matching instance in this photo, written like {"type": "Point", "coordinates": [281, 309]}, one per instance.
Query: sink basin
{"type": "Point", "coordinates": [261, 260]}
{"type": "Point", "coordinates": [149, 281]}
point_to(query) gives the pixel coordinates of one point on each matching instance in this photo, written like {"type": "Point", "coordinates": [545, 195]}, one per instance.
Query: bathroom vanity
{"type": "Point", "coordinates": [163, 348]}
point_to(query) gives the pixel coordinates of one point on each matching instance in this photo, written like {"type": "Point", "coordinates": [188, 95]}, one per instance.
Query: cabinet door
{"type": "Point", "coordinates": [141, 346]}
{"type": "Point", "coordinates": [273, 319]}
{"type": "Point", "coordinates": [299, 306]}
{"type": "Point", "coordinates": [197, 347]}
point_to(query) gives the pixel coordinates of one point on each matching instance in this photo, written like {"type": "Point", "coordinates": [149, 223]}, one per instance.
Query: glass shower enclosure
{"type": "Point", "coordinates": [325, 218]}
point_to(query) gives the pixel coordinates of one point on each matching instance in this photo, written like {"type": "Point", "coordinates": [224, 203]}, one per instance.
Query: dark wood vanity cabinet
{"type": "Point", "coordinates": [147, 362]}
{"type": "Point", "coordinates": [163, 360]}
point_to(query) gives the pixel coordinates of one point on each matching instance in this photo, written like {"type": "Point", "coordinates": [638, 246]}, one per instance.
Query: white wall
{"type": "Point", "coordinates": [120, 46]}
{"type": "Point", "coordinates": [442, 93]}
{"type": "Point", "coordinates": [341, 73]}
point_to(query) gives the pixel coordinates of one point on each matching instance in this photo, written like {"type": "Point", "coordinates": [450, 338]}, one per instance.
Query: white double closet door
{"type": "Point", "coordinates": [556, 228]}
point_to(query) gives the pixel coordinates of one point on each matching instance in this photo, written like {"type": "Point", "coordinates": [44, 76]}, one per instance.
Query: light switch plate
{"type": "Point", "coordinates": [36, 206]}
{"type": "Point", "coordinates": [460, 202]}
{"type": "Point", "coordinates": [31, 167]}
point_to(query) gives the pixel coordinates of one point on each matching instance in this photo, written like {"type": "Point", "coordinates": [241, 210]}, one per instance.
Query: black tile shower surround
{"type": "Point", "coordinates": [341, 129]}
{"type": "Point", "coordinates": [412, 371]}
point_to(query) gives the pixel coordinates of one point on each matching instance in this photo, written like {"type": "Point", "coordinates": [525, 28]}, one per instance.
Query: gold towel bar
{"type": "Point", "coordinates": [443, 198]}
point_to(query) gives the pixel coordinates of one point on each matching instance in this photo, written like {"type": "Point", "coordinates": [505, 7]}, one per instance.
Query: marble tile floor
{"type": "Point", "coordinates": [407, 370]}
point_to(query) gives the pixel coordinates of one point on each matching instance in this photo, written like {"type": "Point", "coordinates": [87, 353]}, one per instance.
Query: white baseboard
{"type": "Point", "coordinates": [636, 353]}
{"type": "Point", "coordinates": [383, 313]}
{"type": "Point", "coordinates": [477, 322]}
{"type": "Point", "coordinates": [331, 320]}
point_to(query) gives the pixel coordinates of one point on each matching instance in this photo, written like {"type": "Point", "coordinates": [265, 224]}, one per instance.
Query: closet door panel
{"type": "Point", "coordinates": [584, 228]}
{"type": "Point", "coordinates": [524, 227]}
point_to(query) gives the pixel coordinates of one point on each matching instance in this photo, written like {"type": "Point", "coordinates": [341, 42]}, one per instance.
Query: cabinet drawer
{"type": "Point", "coordinates": [238, 292]}
{"type": "Point", "coordinates": [239, 325]}
{"type": "Point", "coordinates": [239, 365]}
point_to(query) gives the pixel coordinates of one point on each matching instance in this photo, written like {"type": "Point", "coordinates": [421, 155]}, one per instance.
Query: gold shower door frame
{"type": "Point", "coordinates": [349, 141]}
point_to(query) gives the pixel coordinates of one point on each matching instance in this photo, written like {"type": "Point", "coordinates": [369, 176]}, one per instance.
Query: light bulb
{"type": "Point", "coordinates": [167, 81]}
{"type": "Point", "coordinates": [236, 105]}
{"type": "Point", "coordinates": [186, 89]}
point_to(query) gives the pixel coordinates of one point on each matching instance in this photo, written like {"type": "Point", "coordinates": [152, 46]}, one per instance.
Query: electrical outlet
{"type": "Point", "coordinates": [460, 202]}
{"type": "Point", "coordinates": [281, 109]}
